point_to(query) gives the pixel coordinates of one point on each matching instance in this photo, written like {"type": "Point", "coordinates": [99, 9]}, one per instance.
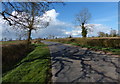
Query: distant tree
{"type": "Point", "coordinates": [118, 35]}
{"type": "Point", "coordinates": [113, 33]}
{"type": "Point", "coordinates": [55, 37]}
{"type": "Point", "coordinates": [101, 34]}
{"type": "Point", "coordinates": [4, 39]}
{"type": "Point", "coordinates": [82, 18]}
{"type": "Point", "coordinates": [10, 39]}
{"type": "Point", "coordinates": [25, 15]}
{"type": "Point", "coordinates": [70, 36]}
{"type": "Point", "coordinates": [107, 35]}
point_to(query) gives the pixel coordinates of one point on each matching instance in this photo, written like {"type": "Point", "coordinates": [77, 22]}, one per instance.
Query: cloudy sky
{"type": "Point", "coordinates": [104, 17]}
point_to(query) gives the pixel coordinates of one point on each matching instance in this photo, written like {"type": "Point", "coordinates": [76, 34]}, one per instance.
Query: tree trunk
{"type": "Point", "coordinates": [29, 37]}
{"type": "Point", "coordinates": [84, 31]}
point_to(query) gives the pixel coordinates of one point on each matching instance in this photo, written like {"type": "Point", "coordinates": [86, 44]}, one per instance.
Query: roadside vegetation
{"type": "Point", "coordinates": [31, 65]}
{"type": "Point", "coordinates": [110, 44]}
{"type": "Point", "coordinates": [12, 54]}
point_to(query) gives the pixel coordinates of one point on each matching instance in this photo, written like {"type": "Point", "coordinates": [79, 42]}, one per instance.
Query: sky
{"type": "Point", "coordinates": [104, 17]}
{"type": "Point", "coordinates": [105, 13]}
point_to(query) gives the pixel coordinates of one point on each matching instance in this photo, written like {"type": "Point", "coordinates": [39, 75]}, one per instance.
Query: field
{"type": "Point", "coordinates": [108, 44]}
{"type": "Point", "coordinates": [11, 42]}
{"type": "Point", "coordinates": [21, 64]}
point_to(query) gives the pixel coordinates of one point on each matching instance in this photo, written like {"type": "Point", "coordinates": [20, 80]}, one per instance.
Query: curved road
{"type": "Point", "coordinates": [74, 64]}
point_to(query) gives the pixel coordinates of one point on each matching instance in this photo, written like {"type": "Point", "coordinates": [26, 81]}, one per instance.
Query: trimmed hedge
{"type": "Point", "coordinates": [12, 54]}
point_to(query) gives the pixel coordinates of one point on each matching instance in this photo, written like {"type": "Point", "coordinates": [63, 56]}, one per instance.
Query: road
{"type": "Point", "coordinates": [72, 64]}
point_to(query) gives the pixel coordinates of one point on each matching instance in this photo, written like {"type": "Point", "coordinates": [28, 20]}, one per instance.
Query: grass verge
{"type": "Point", "coordinates": [33, 68]}
{"type": "Point", "coordinates": [114, 51]}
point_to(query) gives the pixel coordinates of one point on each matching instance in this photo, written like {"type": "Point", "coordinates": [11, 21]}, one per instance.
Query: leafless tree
{"type": "Point", "coordinates": [26, 16]}
{"type": "Point", "coordinates": [113, 33]}
{"type": "Point", "coordinates": [81, 19]}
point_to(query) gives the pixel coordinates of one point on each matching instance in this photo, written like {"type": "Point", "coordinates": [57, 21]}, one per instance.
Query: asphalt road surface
{"type": "Point", "coordinates": [72, 64]}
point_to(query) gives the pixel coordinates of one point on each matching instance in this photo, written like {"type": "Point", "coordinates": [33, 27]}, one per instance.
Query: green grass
{"type": "Point", "coordinates": [7, 42]}
{"type": "Point", "coordinates": [33, 68]}
{"type": "Point", "coordinates": [0, 43]}
{"type": "Point", "coordinates": [11, 42]}
{"type": "Point", "coordinates": [114, 51]}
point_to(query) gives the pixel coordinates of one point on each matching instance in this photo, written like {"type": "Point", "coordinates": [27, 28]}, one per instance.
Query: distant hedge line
{"type": "Point", "coordinates": [100, 42]}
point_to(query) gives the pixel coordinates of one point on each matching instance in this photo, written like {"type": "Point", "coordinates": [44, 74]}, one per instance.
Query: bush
{"type": "Point", "coordinates": [109, 43]}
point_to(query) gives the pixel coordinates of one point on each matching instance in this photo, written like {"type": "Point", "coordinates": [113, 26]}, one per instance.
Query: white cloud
{"type": "Point", "coordinates": [51, 13]}
{"type": "Point", "coordinates": [56, 27]}
{"type": "Point", "coordinates": [99, 28]}
{"type": "Point", "coordinates": [7, 31]}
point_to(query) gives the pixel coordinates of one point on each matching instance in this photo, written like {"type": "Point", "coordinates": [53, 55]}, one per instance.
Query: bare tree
{"type": "Point", "coordinates": [113, 33]}
{"type": "Point", "coordinates": [26, 16]}
{"type": "Point", "coordinates": [81, 19]}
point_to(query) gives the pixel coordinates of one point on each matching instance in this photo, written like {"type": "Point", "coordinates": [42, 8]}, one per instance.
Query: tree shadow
{"type": "Point", "coordinates": [67, 54]}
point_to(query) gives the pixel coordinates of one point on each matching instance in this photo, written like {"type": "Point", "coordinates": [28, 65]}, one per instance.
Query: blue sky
{"type": "Point", "coordinates": [105, 13]}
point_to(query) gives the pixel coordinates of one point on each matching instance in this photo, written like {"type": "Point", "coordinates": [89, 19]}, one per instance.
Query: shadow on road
{"type": "Point", "coordinates": [94, 67]}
